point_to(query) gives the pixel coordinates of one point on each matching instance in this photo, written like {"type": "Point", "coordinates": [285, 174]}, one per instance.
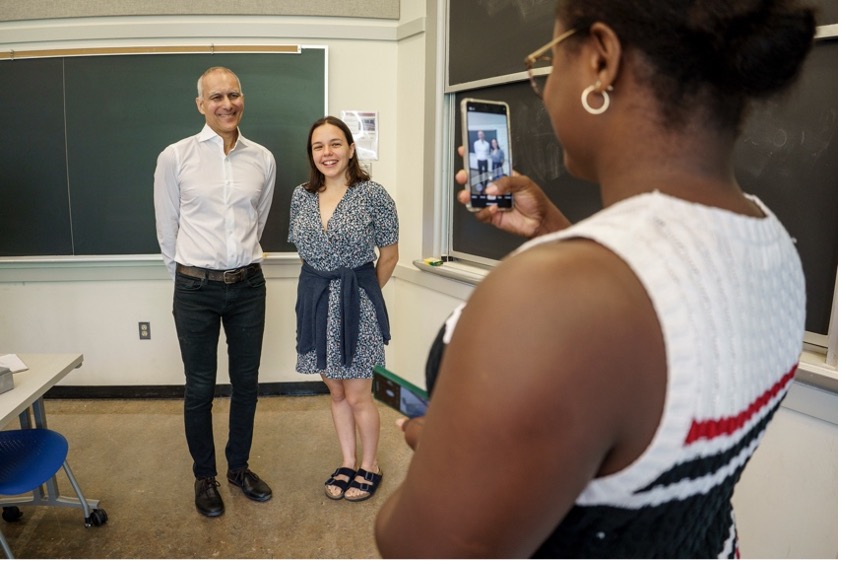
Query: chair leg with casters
{"type": "Point", "coordinates": [93, 517]}
{"type": "Point", "coordinates": [11, 513]}
{"type": "Point", "coordinates": [29, 461]}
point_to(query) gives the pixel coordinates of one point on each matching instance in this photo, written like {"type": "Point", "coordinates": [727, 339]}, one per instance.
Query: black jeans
{"type": "Point", "coordinates": [483, 171]}
{"type": "Point", "coordinates": [199, 305]}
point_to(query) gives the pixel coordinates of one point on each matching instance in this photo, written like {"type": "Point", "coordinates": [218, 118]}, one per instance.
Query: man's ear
{"type": "Point", "coordinates": [200, 106]}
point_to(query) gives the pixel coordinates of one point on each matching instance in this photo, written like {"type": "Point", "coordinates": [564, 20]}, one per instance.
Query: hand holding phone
{"type": "Point", "coordinates": [399, 393]}
{"type": "Point", "coordinates": [487, 150]}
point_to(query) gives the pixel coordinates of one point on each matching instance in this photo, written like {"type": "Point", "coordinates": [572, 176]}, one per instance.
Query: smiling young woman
{"type": "Point", "coordinates": [345, 228]}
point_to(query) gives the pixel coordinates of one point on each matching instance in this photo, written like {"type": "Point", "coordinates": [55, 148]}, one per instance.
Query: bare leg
{"type": "Point", "coordinates": [343, 417]}
{"type": "Point", "coordinates": [359, 395]}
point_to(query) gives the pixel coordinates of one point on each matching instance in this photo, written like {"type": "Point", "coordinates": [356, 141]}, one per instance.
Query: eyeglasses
{"type": "Point", "coordinates": [543, 54]}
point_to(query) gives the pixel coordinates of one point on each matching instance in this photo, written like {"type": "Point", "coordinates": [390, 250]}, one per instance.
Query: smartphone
{"type": "Point", "coordinates": [488, 150]}
{"type": "Point", "coordinates": [398, 393]}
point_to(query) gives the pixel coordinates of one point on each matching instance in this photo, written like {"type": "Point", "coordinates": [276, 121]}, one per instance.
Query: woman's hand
{"type": "Point", "coordinates": [532, 214]}
{"type": "Point", "coordinates": [412, 428]}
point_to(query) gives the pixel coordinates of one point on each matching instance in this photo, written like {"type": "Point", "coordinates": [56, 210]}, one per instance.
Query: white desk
{"type": "Point", "coordinates": [45, 370]}
{"type": "Point", "coordinates": [26, 401]}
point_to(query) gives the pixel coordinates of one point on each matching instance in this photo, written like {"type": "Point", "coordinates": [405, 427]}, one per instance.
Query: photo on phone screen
{"type": "Point", "coordinates": [488, 149]}
{"type": "Point", "coordinates": [398, 393]}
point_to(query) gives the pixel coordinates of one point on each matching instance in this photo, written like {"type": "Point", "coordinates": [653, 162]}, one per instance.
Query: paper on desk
{"type": "Point", "coordinates": [13, 363]}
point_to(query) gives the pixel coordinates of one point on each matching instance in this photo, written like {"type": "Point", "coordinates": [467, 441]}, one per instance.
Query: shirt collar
{"type": "Point", "coordinates": [207, 133]}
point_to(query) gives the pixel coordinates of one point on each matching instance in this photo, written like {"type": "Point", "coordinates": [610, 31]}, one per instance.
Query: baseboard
{"type": "Point", "coordinates": [177, 391]}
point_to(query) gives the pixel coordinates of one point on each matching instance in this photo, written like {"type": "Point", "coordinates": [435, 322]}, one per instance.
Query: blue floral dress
{"type": "Point", "coordinates": [364, 219]}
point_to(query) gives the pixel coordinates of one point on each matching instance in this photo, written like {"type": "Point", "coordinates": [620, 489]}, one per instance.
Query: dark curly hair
{"type": "Point", "coordinates": [718, 54]}
{"type": "Point", "coordinates": [354, 173]}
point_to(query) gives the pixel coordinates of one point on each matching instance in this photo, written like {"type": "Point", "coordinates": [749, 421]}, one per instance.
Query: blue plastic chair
{"type": "Point", "coordinates": [28, 459]}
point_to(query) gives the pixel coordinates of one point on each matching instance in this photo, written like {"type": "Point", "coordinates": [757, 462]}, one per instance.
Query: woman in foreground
{"type": "Point", "coordinates": [608, 408]}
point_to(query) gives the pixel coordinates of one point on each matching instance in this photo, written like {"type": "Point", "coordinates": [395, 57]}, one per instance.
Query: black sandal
{"type": "Point", "coordinates": [373, 480]}
{"type": "Point", "coordinates": [341, 484]}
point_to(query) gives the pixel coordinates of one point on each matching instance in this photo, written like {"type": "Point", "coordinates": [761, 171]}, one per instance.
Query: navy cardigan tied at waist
{"type": "Point", "coordinates": [312, 309]}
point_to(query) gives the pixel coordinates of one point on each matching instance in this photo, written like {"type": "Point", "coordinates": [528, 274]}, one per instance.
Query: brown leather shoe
{"type": "Point", "coordinates": [253, 487]}
{"type": "Point", "coordinates": [208, 500]}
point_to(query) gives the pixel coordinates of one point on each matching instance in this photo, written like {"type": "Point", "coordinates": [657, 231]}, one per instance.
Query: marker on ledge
{"type": "Point", "coordinates": [433, 261]}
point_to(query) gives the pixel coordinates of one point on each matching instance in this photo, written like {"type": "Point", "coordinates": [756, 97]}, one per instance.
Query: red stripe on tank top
{"type": "Point", "coordinates": [709, 429]}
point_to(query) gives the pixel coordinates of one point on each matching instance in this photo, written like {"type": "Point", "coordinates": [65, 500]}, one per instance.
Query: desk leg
{"type": "Point", "coordinates": [25, 418]}
{"type": "Point", "coordinates": [39, 414]}
{"type": "Point", "coordinates": [34, 416]}
{"type": "Point", "coordinates": [39, 417]}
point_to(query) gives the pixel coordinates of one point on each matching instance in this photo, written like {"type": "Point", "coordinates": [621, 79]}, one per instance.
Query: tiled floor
{"type": "Point", "coordinates": [132, 457]}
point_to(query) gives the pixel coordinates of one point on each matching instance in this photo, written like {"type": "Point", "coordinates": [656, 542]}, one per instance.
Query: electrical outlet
{"type": "Point", "coordinates": [143, 330]}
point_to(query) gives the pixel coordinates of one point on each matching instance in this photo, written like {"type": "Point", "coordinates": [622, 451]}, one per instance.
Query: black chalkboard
{"type": "Point", "coordinates": [490, 38]}
{"type": "Point", "coordinates": [787, 156]}
{"type": "Point", "coordinates": [82, 135]}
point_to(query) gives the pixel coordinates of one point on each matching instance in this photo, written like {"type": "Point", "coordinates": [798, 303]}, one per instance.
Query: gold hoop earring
{"type": "Point", "coordinates": [604, 93]}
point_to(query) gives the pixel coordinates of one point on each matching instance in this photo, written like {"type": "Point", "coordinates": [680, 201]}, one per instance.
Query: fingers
{"type": "Point", "coordinates": [505, 184]}
{"type": "Point", "coordinates": [461, 177]}
{"type": "Point", "coordinates": [509, 184]}
{"type": "Point", "coordinates": [486, 214]}
{"type": "Point", "coordinates": [412, 429]}
{"type": "Point", "coordinates": [464, 196]}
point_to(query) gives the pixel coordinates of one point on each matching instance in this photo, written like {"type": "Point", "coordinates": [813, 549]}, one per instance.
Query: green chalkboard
{"type": "Point", "coordinates": [34, 208]}
{"type": "Point", "coordinates": [82, 135]}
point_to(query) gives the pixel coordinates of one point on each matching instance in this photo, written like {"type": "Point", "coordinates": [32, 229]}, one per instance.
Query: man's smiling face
{"type": "Point", "coordinates": [221, 102]}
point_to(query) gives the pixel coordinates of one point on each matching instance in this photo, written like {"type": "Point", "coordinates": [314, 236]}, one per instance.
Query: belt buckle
{"type": "Point", "coordinates": [232, 276]}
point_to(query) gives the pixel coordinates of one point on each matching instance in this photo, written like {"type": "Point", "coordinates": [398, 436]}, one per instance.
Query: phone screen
{"type": "Point", "coordinates": [488, 149]}
{"type": "Point", "coordinates": [398, 393]}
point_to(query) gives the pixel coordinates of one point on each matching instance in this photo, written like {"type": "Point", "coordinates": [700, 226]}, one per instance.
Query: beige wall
{"type": "Point", "coordinates": [786, 501]}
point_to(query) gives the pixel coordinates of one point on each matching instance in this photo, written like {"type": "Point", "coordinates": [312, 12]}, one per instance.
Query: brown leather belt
{"type": "Point", "coordinates": [228, 276]}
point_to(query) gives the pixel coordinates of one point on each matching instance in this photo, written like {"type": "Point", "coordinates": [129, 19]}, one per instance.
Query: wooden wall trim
{"type": "Point", "coordinates": [18, 10]}
{"type": "Point", "coordinates": [151, 50]}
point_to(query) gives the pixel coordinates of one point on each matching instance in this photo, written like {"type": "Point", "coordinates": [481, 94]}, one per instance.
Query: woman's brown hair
{"type": "Point", "coordinates": [353, 174]}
